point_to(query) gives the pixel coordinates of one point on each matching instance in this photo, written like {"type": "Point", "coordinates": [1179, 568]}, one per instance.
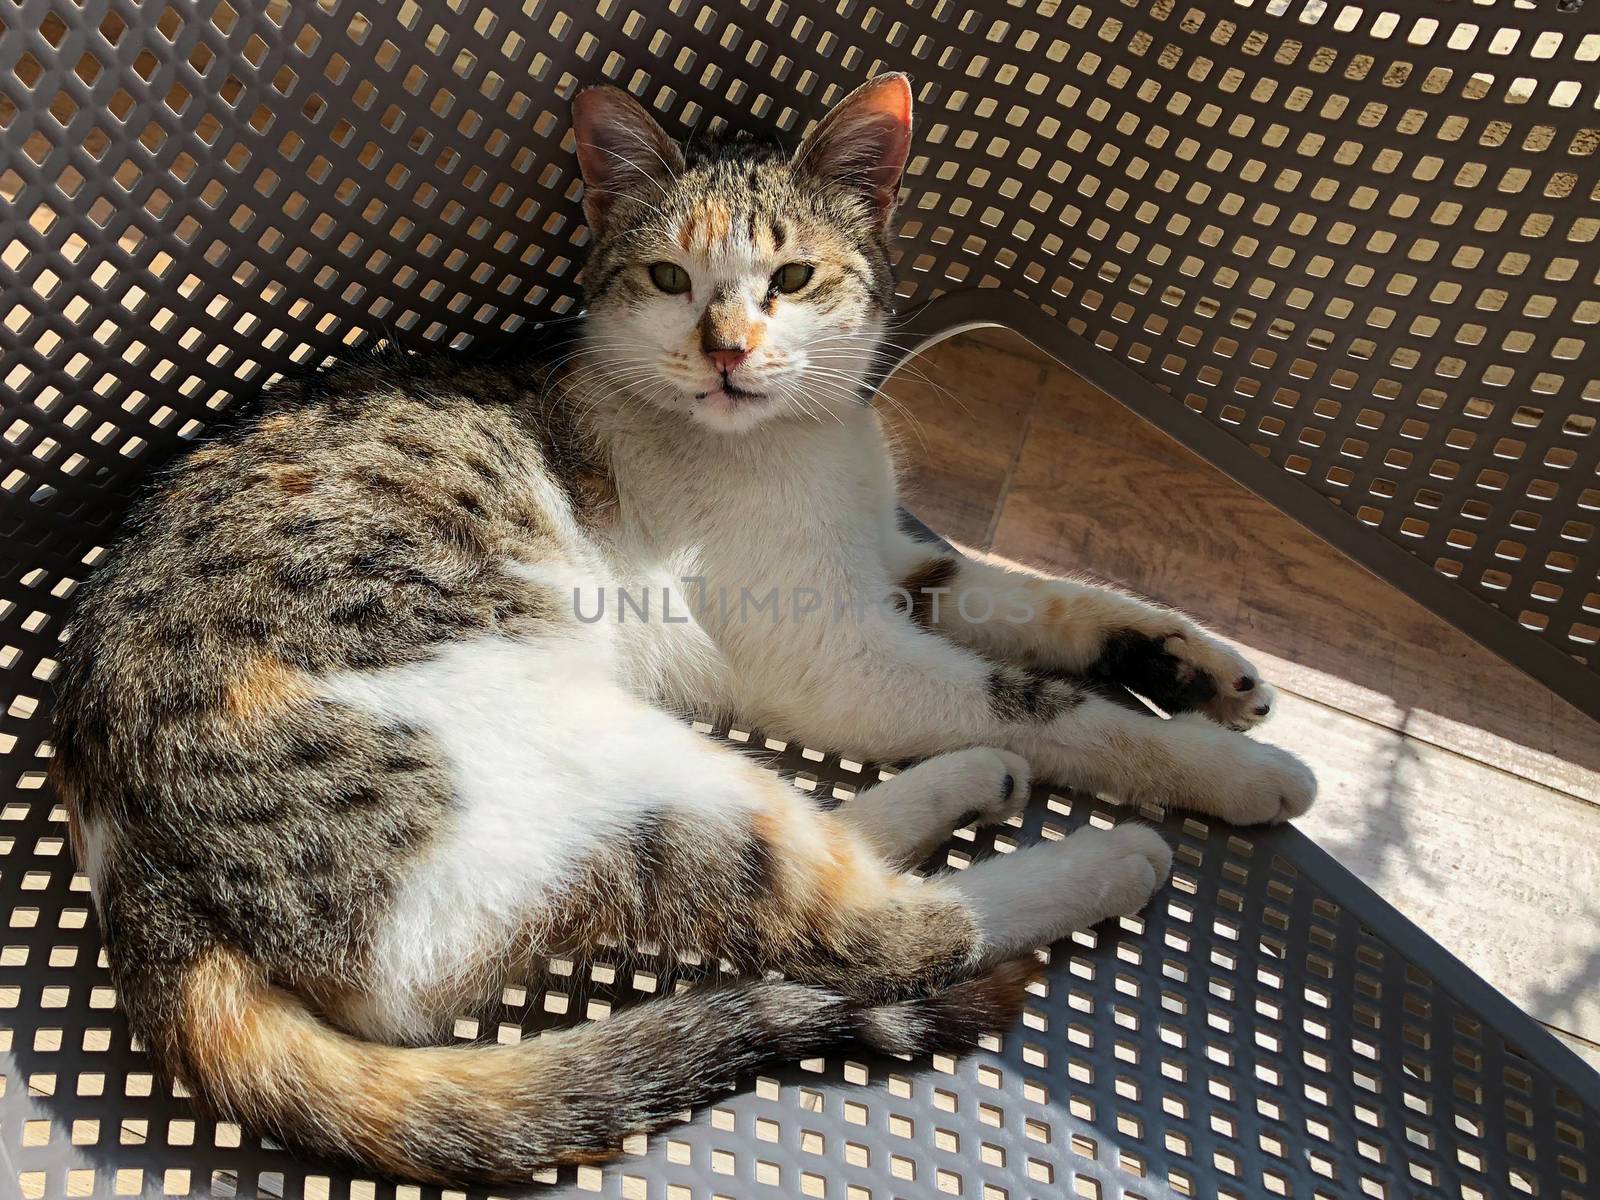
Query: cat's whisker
{"type": "Point", "coordinates": [918, 376]}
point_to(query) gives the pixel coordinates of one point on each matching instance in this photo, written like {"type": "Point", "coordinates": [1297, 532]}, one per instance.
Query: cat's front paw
{"type": "Point", "coordinates": [1241, 700]}
{"type": "Point", "coordinates": [1214, 679]}
{"type": "Point", "coordinates": [1275, 787]}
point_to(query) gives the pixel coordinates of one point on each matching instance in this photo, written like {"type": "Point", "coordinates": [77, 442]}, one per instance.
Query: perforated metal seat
{"type": "Point", "coordinates": [1347, 255]}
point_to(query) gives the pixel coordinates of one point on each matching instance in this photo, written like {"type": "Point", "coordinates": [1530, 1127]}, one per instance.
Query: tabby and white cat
{"type": "Point", "coordinates": [343, 742]}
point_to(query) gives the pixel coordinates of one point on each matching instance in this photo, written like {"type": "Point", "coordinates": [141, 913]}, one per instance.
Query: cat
{"type": "Point", "coordinates": [346, 734]}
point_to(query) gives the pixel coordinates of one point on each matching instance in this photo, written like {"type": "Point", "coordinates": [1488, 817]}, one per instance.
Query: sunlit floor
{"type": "Point", "coordinates": [1459, 789]}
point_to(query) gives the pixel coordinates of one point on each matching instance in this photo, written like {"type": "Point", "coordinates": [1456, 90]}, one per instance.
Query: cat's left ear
{"type": "Point", "coordinates": [863, 142]}
{"type": "Point", "coordinates": [621, 150]}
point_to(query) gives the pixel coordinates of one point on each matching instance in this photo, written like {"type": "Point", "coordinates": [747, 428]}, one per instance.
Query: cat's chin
{"type": "Point", "coordinates": [733, 411]}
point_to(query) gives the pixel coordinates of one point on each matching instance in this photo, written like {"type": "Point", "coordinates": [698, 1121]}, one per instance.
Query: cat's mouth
{"type": "Point", "coordinates": [730, 392]}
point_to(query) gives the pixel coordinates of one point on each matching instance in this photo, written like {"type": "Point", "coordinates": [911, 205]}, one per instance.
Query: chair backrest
{"type": "Point", "coordinates": [1358, 242]}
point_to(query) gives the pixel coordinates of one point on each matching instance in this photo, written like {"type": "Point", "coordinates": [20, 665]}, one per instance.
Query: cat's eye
{"type": "Point", "coordinates": [670, 278]}
{"type": "Point", "coordinates": [791, 277]}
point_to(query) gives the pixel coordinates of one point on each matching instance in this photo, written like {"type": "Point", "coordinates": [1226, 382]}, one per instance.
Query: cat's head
{"type": "Point", "coordinates": [730, 281]}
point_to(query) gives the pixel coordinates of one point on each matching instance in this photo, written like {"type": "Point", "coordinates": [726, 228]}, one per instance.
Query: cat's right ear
{"type": "Point", "coordinates": [621, 151]}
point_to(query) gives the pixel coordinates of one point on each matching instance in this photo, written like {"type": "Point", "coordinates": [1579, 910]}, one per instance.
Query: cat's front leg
{"type": "Point", "coordinates": [1084, 629]}
{"type": "Point", "coordinates": [885, 690]}
{"type": "Point", "coordinates": [1188, 761]}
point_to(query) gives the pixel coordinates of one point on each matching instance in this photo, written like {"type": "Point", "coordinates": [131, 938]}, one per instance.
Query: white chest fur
{"type": "Point", "coordinates": [770, 536]}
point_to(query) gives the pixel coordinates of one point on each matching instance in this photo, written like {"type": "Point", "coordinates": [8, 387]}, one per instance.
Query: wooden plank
{"type": "Point", "coordinates": [1547, 767]}
{"type": "Point", "coordinates": [963, 415]}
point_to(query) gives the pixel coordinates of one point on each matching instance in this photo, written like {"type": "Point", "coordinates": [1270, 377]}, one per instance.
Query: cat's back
{"type": "Point", "coordinates": [358, 518]}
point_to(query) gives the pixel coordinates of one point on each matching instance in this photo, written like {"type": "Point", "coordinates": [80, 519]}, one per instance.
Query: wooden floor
{"type": "Point", "coordinates": [1462, 791]}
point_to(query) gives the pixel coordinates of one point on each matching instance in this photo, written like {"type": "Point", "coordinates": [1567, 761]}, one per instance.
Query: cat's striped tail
{"type": "Point", "coordinates": [483, 1113]}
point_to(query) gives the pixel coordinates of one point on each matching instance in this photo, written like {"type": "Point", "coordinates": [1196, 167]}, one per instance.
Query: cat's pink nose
{"type": "Point", "coordinates": [725, 360]}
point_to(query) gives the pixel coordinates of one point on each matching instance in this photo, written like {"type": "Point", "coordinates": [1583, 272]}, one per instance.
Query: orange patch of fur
{"type": "Point", "coordinates": [849, 879]}
{"type": "Point", "coordinates": [277, 423]}
{"type": "Point", "coordinates": [293, 480]}
{"type": "Point", "coordinates": [768, 827]}
{"type": "Point", "coordinates": [839, 874]}
{"type": "Point", "coordinates": [217, 1007]}
{"type": "Point", "coordinates": [267, 685]}
{"type": "Point", "coordinates": [260, 1055]}
{"type": "Point", "coordinates": [705, 227]}
{"type": "Point", "coordinates": [718, 223]}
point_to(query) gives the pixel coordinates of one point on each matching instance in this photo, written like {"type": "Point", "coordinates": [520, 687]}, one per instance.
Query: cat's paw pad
{"type": "Point", "coordinates": [1250, 703]}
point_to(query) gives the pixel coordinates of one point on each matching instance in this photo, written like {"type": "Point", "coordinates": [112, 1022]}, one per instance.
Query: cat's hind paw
{"type": "Point", "coordinates": [1138, 861]}
{"type": "Point", "coordinates": [993, 782]}
{"type": "Point", "coordinates": [911, 815]}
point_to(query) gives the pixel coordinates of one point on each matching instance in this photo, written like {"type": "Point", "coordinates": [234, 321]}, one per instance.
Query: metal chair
{"type": "Point", "coordinates": [1346, 255]}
